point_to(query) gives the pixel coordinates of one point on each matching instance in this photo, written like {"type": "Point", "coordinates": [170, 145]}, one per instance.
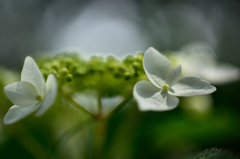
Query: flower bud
{"type": "Point", "coordinates": [127, 75]}
{"type": "Point", "coordinates": [136, 65]}
{"type": "Point", "coordinates": [64, 71]}
{"type": "Point", "coordinates": [140, 57]}
{"type": "Point", "coordinates": [69, 77]}
{"type": "Point", "coordinates": [55, 65]}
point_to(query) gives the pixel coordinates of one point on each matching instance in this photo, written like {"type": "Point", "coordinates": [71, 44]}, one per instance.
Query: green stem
{"type": "Point", "coordinates": [99, 101]}
{"type": "Point", "coordinates": [119, 107]}
{"type": "Point", "coordinates": [70, 134]}
{"type": "Point", "coordinates": [100, 138]}
{"type": "Point", "coordinates": [100, 130]}
{"type": "Point", "coordinates": [78, 106]}
{"type": "Point", "coordinates": [101, 126]}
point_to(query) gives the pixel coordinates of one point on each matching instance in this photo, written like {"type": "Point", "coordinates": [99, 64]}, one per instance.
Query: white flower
{"type": "Point", "coordinates": [199, 59]}
{"type": "Point", "coordinates": [160, 94]}
{"type": "Point", "coordinates": [30, 94]}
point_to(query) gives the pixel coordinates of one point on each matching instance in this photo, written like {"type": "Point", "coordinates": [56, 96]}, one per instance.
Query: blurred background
{"type": "Point", "coordinates": [124, 27]}
{"type": "Point", "coordinates": [116, 27]}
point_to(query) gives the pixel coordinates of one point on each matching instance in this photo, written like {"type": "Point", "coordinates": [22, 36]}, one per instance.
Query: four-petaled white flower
{"type": "Point", "coordinates": [160, 94]}
{"type": "Point", "coordinates": [31, 93]}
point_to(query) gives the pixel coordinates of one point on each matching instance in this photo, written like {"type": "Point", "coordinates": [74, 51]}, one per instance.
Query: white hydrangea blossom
{"type": "Point", "coordinates": [199, 59]}
{"type": "Point", "coordinates": [30, 94]}
{"type": "Point", "coordinates": [165, 84]}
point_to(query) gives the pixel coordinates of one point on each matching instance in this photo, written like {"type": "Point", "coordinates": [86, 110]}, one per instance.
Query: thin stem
{"type": "Point", "coordinates": [78, 106]}
{"type": "Point", "coordinates": [99, 101]}
{"type": "Point", "coordinates": [119, 107]}
{"type": "Point", "coordinates": [100, 130]}
{"type": "Point", "coordinates": [100, 138]}
{"type": "Point", "coordinates": [70, 133]}
{"type": "Point", "coordinates": [101, 127]}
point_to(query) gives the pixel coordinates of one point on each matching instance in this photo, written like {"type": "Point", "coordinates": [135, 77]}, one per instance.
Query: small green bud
{"type": "Point", "coordinates": [64, 71]}
{"type": "Point", "coordinates": [121, 68]}
{"type": "Point", "coordinates": [165, 87]}
{"type": "Point", "coordinates": [69, 77]}
{"type": "Point", "coordinates": [53, 71]}
{"type": "Point", "coordinates": [68, 61]}
{"type": "Point", "coordinates": [120, 71]}
{"type": "Point", "coordinates": [129, 59]}
{"type": "Point", "coordinates": [111, 59]}
{"type": "Point", "coordinates": [39, 98]}
{"type": "Point", "coordinates": [136, 65]}
{"type": "Point", "coordinates": [55, 65]}
{"type": "Point", "coordinates": [47, 65]}
{"type": "Point", "coordinates": [140, 56]}
{"type": "Point", "coordinates": [127, 75]}
{"type": "Point", "coordinates": [81, 71]}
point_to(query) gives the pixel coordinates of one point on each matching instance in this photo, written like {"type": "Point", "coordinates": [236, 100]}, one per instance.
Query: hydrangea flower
{"type": "Point", "coordinates": [30, 94]}
{"type": "Point", "coordinates": [199, 59]}
{"type": "Point", "coordinates": [165, 84]}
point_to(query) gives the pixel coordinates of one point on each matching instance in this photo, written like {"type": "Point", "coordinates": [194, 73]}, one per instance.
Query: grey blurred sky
{"type": "Point", "coordinates": [117, 27]}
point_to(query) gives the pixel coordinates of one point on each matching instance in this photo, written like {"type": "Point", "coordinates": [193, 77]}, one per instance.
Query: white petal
{"type": "Point", "coordinates": [16, 113]}
{"type": "Point", "coordinates": [51, 92]}
{"type": "Point", "coordinates": [109, 103]}
{"type": "Point", "coordinates": [173, 75]}
{"type": "Point", "coordinates": [199, 59]}
{"type": "Point", "coordinates": [191, 86]}
{"type": "Point", "coordinates": [32, 74]}
{"type": "Point", "coordinates": [156, 66]}
{"type": "Point", "coordinates": [149, 97]}
{"type": "Point", "coordinates": [221, 73]}
{"type": "Point", "coordinates": [21, 93]}
{"type": "Point", "coordinates": [87, 99]}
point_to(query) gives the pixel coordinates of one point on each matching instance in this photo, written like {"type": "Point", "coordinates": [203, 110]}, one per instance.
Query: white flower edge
{"type": "Point", "coordinates": [24, 93]}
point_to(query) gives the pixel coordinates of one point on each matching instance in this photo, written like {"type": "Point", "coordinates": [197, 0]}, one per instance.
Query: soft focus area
{"type": "Point", "coordinates": [93, 45]}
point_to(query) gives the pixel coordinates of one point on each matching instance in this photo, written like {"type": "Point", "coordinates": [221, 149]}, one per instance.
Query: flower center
{"type": "Point", "coordinates": [165, 87]}
{"type": "Point", "coordinates": [39, 98]}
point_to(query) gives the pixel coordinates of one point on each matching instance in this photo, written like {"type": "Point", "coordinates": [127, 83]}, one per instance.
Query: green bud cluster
{"type": "Point", "coordinates": [108, 75]}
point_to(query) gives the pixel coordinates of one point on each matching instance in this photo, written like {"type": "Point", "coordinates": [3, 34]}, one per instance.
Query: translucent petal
{"type": "Point", "coordinates": [191, 86]}
{"type": "Point", "coordinates": [51, 92]}
{"type": "Point", "coordinates": [151, 98]}
{"type": "Point", "coordinates": [32, 74]}
{"type": "Point", "coordinates": [88, 100]}
{"type": "Point", "coordinates": [156, 66]}
{"type": "Point", "coordinates": [16, 113]}
{"type": "Point", "coordinates": [173, 75]}
{"type": "Point", "coordinates": [21, 93]}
